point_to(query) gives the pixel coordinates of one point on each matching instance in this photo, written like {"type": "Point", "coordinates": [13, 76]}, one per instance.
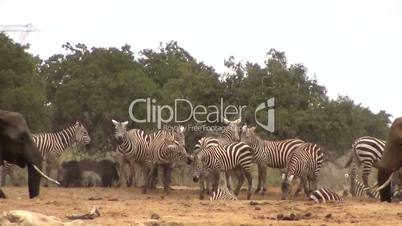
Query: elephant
{"type": "Point", "coordinates": [17, 147]}
{"type": "Point", "coordinates": [391, 160]}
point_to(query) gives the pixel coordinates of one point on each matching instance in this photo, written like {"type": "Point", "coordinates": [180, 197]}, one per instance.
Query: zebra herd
{"type": "Point", "coordinates": [232, 152]}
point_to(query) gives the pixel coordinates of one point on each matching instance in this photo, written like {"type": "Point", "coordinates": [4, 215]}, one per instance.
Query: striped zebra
{"type": "Point", "coordinates": [366, 152]}
{"type": "Point", "coordinates": [222, 194]}
{"type": "Point", "coordinates": [167, 148]}
{"type": "Point", "coordinates": [305, 163]}
{"type": "Point", "coordinates": [133, 148]}
{"type": "Point", "coordinates": [359, 190]}
{"type": "Point", "coordinates": [52, 145]}
{"type": "Point", "coordinates": [274, 154]}
{"type": "Point", "coordinates": [229, 157]}
{"type": "Point", "coordinates": [324, 195]}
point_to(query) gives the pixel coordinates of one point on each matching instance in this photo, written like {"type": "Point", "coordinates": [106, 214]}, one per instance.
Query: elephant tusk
{"type": "Point", "coordinates": [44, 175]}
{"type": "Point", "coordinates": [385, 184]}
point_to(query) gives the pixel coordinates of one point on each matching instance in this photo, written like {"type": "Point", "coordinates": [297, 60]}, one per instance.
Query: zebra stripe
{"type": "Point", "coordinates": [222, 194]}
{"type": "Point", "coordinates": [167, 148]}
{"type": "Point", "coordinates": [359, 190]}
{"type": "Point", "coordinates": [324, 195]}
{"type": "Point", "coordinates": [274, 154]}
{"type": "Point", "coordinates": [52, 146]}
{"type": "Point", "coordinates": [56, 143]}
{"type": "Point", "coordinates": [229, 157]}
{"type": "Point", "coordinates": [366, 151]}
{"type": "Point", "coordinates": [304, 163]}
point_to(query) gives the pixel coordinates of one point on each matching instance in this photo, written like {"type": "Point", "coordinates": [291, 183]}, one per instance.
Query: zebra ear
{"type": "Point", "coordinates": [226, 121]}
{"type": "Point", "coordinates": [283, 176]}
{"type": "Point", "coordinates": [238, 121]}
{"type": "Point", "coordinates": [125, 123]}
{"type": "Point", "coordinates": [244, 128]}
{"type": "Point", "coordinates": [182, 129]}
{"type": "Point", "coordinates": [115, 122]}
{"type": "Point", "coordinates": [290, 178]}
{"type": "Point", "coordinates": [252, 129]}
{"type": "Point", "coordinates": [346, 175]}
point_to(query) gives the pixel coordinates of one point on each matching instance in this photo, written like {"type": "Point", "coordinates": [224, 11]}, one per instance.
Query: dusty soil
{"type": "Point", "coordinates": [127, 206]}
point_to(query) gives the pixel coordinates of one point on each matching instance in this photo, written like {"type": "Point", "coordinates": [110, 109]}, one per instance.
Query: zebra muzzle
{"type": "Point", "coordinates": [195, 179]}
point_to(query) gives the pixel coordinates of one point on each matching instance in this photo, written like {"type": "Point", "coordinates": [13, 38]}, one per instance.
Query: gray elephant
{"type": "Point", "coordinates": [17, 146]}
{"type": "Point", "coordinates": [391, 160]}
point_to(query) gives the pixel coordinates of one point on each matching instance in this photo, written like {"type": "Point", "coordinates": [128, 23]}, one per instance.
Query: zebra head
{"type": "Point", "coordinates": [179, 135]}
{"type": "Point", "coordinates": [248, 134]}
{"type": "Point", "coordinates": [198, 168]}
{"type": "Point", "coordinates": [120, 130]}
{"type": "Point", "coordinates": [81, 134]}
{"type": "Point", "coordinates": [232, 129]}
{"type": "Point", "coordinates": [176, 147]}
{"type": "Point", "coordinates": [286, 185]}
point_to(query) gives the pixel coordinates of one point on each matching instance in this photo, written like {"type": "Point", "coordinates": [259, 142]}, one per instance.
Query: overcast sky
{"type": "Point", "coordinates": [353, 47]}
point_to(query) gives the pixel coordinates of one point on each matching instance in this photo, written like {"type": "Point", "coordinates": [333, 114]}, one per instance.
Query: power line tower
{"type": "Point", "coordinates": [24, 30]}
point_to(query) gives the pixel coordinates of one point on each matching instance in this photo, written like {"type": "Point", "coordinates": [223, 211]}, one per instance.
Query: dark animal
{"type": "Point", "coordinates": [391, 160]}
{"type": "Point", "coordinates": [17, 147]}
{"type": "Point", "coordinates": [72, 172]}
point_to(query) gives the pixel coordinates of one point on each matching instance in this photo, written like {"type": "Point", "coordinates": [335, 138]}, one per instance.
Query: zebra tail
{"type": "Point", "coordinates": [350, 160]}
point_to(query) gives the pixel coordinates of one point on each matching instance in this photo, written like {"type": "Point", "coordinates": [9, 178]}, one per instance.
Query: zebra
{"type": "Point", "coordinates": [305, 162]}
{"type": "Point", "coordinates": [52, 145]}
{"type": "Point", "coordinates": [167, 148]}
{"type": "Point", "coordinates": [366, 151]}
{"type": "Point", "coordinates": [133, 148]}
{"type": "Point", "coordinates": [235, 155]}
{"type": "Point", "coordinates": [222, 194]}
{"type": "Point", "coordinates": [324, 195]}
{"type": "Point", "coordinates": [274, 154]}
{"type": "Point", "coordinates": [359, 190]}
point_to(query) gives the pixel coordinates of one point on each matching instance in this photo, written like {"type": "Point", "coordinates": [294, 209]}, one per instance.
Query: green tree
{"type": "Point", "coordinates": [22, 88]}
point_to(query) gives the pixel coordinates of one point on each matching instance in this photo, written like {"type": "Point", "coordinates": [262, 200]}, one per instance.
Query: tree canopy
{"type": "Point", "coordinates": [97, 84]}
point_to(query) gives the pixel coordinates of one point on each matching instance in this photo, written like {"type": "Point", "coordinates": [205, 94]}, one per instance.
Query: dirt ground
{"type": "Point", "coordinates": [127, 206]}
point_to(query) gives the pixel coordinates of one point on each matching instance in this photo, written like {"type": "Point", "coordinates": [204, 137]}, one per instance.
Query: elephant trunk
{"type": "Point", "coordinates": [383, 176]}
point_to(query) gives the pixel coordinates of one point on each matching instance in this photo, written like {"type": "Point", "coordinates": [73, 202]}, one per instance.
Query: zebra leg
{"type": "Point", "coordinates": [240, 179]}
{"type": "Point", "coordinates": [259, 170]}
{"type": "Point", "coordinates": [166, 177]}
{"type": "Point", "coordinates": [250, 183]}
{"type": "Point", "coordinates": [2, 176]}
{"type": "Point", "coordinates": [154, 177]}
{"type": "Point", "coordinates": [352, 177]}
{"type": "Point", "coordinates": [263, 179]}
{"type": "Point", "coordinates": [299, 187]}
{"type": "Point", "coordinates": [228, 180]}
{"type": "Point", "coordinates": [365, 175]}
{"type": "Point", "coordinates": [202, 188]}
{"type": "Point", "coordinates": [146, 172]}
{"type": "Point", "coordinates": [215, 181]}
